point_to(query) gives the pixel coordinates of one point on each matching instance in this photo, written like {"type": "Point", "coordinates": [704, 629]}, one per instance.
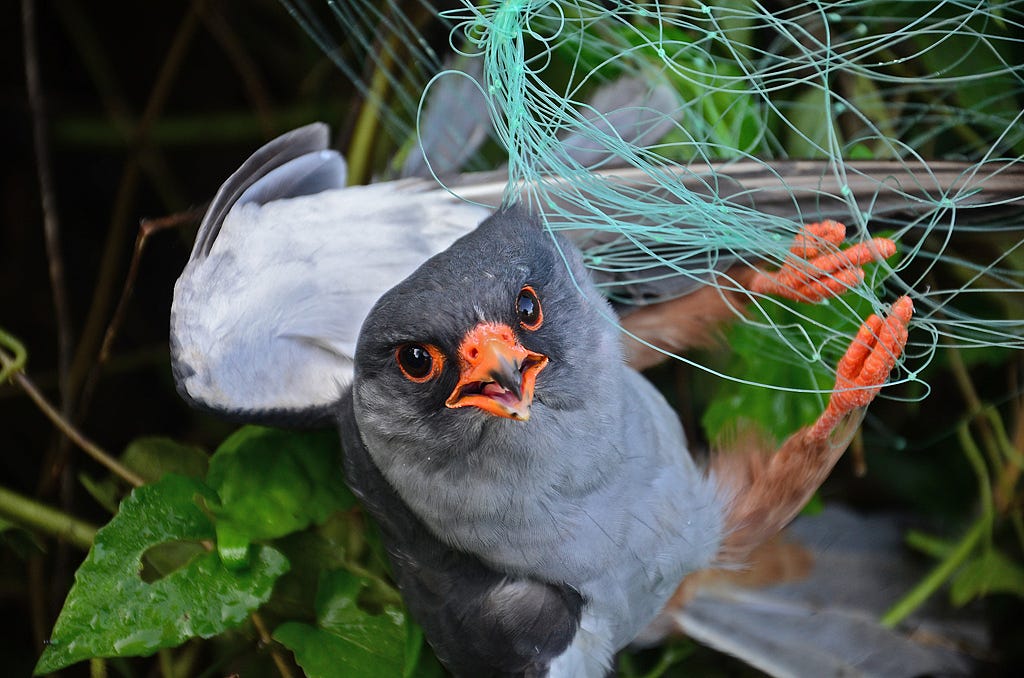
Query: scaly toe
{"type": "Point", "coordinates": [814, 239]}
{"type": "Point", "coordinates": [866, 365]}
{"type": "Point", "coordinates": [818, 269]}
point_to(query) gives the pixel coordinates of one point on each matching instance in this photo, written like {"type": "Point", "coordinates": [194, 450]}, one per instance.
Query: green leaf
{"type": "Point", "coordinates": [151, 457]}
{"type": "Point", "coordinates": [929, 545]}
{"type": "Point", "coordinates": [990, 572]}
{"type": "Point", "coordinates": [112, 612]}
{"type": "Point", "coordinates": [154, 456]}
{"type": "Point", "coordinates": [271, 483]}
{"type": "Point", "coordinates": [329, 546]}
{"type": "Point", "coordinates": [348, 640]}
{"type": "Point", "coordinates": [106, 492]}
{"type": "Point", "coordinates": [763, 357]}
{"type": "Point", "coordinates": [24, 543]}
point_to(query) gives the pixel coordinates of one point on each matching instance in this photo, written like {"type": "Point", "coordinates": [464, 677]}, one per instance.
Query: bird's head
{"type": "Point", "coordinates": [485, 336]}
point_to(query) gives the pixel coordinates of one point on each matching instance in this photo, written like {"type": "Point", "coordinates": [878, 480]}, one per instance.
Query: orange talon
{"type": "Point", "coordinates": [866, 365]}
{"type": "Point", "coordinates": [818, 269]}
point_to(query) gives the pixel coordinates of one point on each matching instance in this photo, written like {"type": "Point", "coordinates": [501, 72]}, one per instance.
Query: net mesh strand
{"type": "Point", "coordinates": [901, 119]}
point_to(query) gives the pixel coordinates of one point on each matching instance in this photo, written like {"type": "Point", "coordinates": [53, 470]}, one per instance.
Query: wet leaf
{"type": "Point", "coordinates": [112, 612]}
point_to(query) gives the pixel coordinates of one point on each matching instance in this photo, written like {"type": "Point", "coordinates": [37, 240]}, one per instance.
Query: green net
{"type": "Point", "coordinates": [900, 119]}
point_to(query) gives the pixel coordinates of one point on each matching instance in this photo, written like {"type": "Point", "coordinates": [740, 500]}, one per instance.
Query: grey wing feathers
{"type": "Point", "coordinates": [454, 124]}
{"type": "Point", "coordinates": [894, 192]}
{"type": "Point", "coordinates": [630, 109]}
{"type": "Point", "coordinates": [288, 262]}
{"type": "Point", "coordinates": [480, 622]}
{"type": "Point", "coordinates": [285, 148]}
{"type": "Point", "coordinates": [828, 623]}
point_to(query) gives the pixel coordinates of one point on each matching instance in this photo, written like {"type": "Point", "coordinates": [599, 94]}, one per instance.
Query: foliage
{"type": "Point", "coordinates": [134, 594]}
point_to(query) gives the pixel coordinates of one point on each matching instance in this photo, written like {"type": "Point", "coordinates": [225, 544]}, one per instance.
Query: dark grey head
{"type": "Point", "coordinates": [493, 334]}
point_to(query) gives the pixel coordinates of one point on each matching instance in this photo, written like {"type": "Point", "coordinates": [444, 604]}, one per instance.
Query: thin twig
{"type": "Point", "coordinates": [51, 224]}
{"type": "Point", "coordinates": [90, 50]}
{"type": "Point", "coordinates": [18, 376]}
{"type": "Point", "coordinates": [147, 228]}
{"type": "Point", "coordinates": [268, 642]}
{"type": "Point", "coordinates": [255, 88]}
{"type": "Point", "coordinates": [113, 251]}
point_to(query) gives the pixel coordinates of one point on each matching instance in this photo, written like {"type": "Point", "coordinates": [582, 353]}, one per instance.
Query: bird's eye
{"type": "Point", "coordinates": [528, 309]}
{"type": "Point", "coordinates": [419, 362]}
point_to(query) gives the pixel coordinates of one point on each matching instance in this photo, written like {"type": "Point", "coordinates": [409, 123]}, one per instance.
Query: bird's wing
{"type": "Point", "coordinates": [453, 124]}
{"type": "Point", "coordinates": [287, 262]}
{"type": "Point", "coordinates": [479, 621]}
{"type": "Point", "coordinates": [286, 265]}
{"type": "Point", "coordinates": [840, 572]}
{"type": "Point", "coordinates": [263, 177]}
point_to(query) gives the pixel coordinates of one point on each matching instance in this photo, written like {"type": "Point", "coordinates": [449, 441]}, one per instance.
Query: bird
{"type": "Point", "coordinates": [289, 268]}
{"type": "Point", "coordinates": [535, 494]}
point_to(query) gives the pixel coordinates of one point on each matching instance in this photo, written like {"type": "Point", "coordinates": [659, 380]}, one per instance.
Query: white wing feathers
{"type": "Point", "coordinates": [267, 311]}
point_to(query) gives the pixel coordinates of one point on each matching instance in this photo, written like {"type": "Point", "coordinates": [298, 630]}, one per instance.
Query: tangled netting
{"type": "Point", "coordinates": [901, 119]}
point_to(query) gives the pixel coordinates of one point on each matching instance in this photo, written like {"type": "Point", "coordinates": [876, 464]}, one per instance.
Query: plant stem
{"type": "Point", "coordinates": [10, 368]}
{"type": "Point", "coordinates": [110, 266]}
{"type": "Point", "coordinates": [977, 462]}
{"type": "Point", "coordinates": [9, 365]}
{"type": "Point", "coordinates": [35, 516]}
{"type": "Point", "coordinates": [265, 638]}
{"type": "Point", "coordinates": [361, 146]}
{"type": "Point", "coordinates": [931, 583]}
{"type": "Point", "coordinates": [166, 661]}
{"type": "Point", "coordinates": [44, 174]}
{"type": "Point", "coordinates": [974, 405]}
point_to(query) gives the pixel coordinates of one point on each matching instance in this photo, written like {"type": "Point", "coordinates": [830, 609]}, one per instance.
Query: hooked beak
{"type": "Point", "coordinates": [497, 373]}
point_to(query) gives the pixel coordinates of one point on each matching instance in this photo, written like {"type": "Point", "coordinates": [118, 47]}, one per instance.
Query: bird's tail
{"type": "Point", "coordinates": [810, 601]}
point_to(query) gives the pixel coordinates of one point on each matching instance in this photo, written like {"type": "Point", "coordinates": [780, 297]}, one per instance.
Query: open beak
{"type": "Point", "coordinates": [497, 374]}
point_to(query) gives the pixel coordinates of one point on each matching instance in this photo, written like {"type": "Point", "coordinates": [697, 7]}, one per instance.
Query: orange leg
{"type": "Point", "coordinates": [866, 365]}
{"type": "Point", "coordinates": [766, 490]}
{"type": "Point", "coordinates": [818, 269]}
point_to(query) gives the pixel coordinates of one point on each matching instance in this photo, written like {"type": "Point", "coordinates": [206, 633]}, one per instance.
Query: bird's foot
{"type": "Point", "coordinates": [817, 269]}
{"type": "Point", "coordinates": [866, 365]}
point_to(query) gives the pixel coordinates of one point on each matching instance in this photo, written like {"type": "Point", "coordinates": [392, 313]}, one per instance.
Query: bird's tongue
{"type": "Point", "coordinates": [494, 390]}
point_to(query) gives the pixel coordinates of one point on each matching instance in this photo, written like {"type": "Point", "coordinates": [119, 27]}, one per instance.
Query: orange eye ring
{"type": "Point", "coordinates": [528, 309]}
{"type": "Point", "coordinates": [419, 363]}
